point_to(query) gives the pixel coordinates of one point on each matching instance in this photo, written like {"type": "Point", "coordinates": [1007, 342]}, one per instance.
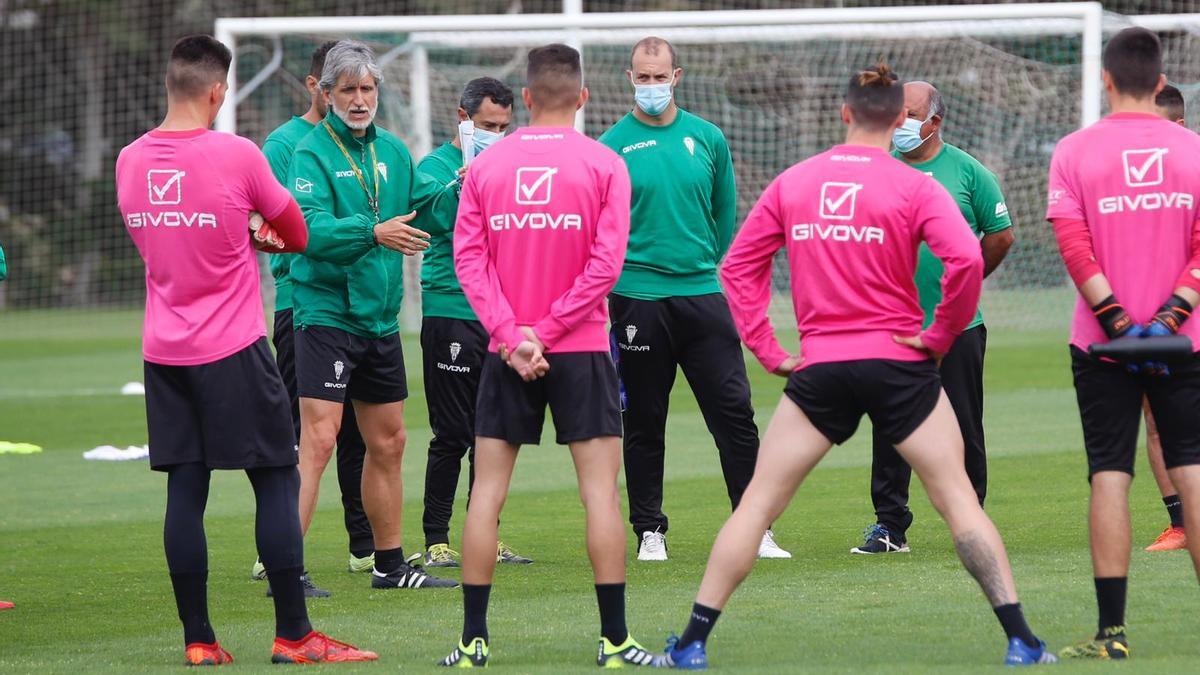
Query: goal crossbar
{"type": "Point", "coordinates": [1082, 18]}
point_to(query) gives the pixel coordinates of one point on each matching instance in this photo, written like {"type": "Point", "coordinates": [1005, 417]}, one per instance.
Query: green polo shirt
{"type": "Point", "coordinates": [978, 195]}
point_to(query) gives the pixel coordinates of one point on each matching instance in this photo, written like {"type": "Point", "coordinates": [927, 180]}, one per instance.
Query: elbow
{"type": "Point", "coordinates": [999, 243]}
{"type": "Point", "coordinates": [297, 244]}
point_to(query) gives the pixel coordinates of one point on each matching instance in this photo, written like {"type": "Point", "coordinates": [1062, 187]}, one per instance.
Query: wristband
{"type": "Point", "coordinates": [1112, 317]}
{"type": "Point", "coordinates": [1173, 313]}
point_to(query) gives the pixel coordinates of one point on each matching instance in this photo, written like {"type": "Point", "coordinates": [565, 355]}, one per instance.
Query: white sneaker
{"type": "Point", "coordinates": [653, 546]}
{"type": "Point", "coordinates": [767, 548]}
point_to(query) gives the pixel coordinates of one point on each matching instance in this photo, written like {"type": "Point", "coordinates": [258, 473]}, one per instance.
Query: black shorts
{"type": "Point", "coordinates": [334, 365]}
{"type": "Point", "coordinates": [1110, 407]}
{"type": "Point", "coordinates": [580, 388]}
{"type": "Point", "coordinates": [898, 396]}
{"type": "Point", "coordinates": [229, 414]}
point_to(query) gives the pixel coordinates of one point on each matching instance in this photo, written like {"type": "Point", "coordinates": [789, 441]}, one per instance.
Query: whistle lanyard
{"type": "Point", "coordinates": [372, 201]}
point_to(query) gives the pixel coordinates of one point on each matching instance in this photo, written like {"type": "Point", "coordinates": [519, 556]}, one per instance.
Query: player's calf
{"type": "Point", "coordinates": [934, 450]}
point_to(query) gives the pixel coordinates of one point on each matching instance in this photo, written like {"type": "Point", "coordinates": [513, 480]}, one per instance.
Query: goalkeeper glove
{"type": "Point", "coordinates": [1169, 317]}
{"type": "Point", "coordinates": [1112, 317]}
{"type": "Point", "coordinates": [1166, 321]}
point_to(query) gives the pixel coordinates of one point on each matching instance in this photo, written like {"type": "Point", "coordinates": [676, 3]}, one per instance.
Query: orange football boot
{"type": "Point", "coordinates": [200, 654]}
{"type": "Point", "coordinates": [317, 648]}
{"type": "Point", "coordinates": [1171, 539]}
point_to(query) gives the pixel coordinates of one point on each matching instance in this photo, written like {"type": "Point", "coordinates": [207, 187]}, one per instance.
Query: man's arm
{"type": "Point", "coordinates": [995, 247]}
{"type": "Point", "coordinates": [477, 274]}
{"type": "Point", "coordinates": [436, 203]}
{"type": "Point", "coordinates": [993, 218]}
{"type": "Point", "coordinates": [336, 240]}
{"type": "Point", "coordinates": [1065, 211]}
{"type": "Point", "coordinates": [1178, 308]}
{"type": "Point", "coordinates": [724, 196]}
{"type": "Point", "coordinates": [603, 267]}
{"type": "Point", "coordinates": [441, 220]}
{"type": "Point", "coordinates": [272, 200]}
{"type": "Point", "coordinates": [3, 265]}
{"type": "Point", "coordinates": [746, 278]}
{"type": "Point", "coordinates": [942, 228]}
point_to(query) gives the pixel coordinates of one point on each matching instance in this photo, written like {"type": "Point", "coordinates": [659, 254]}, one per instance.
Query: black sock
{"type": "Point", "coordinates": [700, 625]}
{"type": "Point", "coordinates": [611, 599]}
{"type": "Point", "coordinates": [389, 560]}
{"type": "Point", "coordinates": [1013, 620]}
{"type": "Point", "coordinates": [291, 614]}
{"type": "Point", "coordinates": [191, 597]}
{"type": "Point", "coordinates": [1174, 510]}
{"type": "Point", "coordinates": [362, 552]}
{"type": "Point", "coordinates": [1110, 597]}
{"type": "Point", "coordinates": [475, 605]}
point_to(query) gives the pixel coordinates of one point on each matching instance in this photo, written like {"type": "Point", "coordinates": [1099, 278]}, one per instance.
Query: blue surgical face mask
{"type": "Point", "coordinates": [483, 139]}
{"type": "Point", "coordinates": [908, 137]}
{"type": "Point", "coordinates": [653, 99]}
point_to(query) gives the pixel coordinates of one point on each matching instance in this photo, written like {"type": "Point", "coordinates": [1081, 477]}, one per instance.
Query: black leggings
{"type": "Point", "coordinates": [276, 521]}
{"type": "Point", "coordinates": [277, 533]}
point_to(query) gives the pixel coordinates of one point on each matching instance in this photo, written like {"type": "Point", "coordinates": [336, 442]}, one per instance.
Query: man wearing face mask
{"type": "Point", "coordinates": [977, 192]}
{"type": "Point", "coordinates": [453, 342]}
{"type": "Point", "coordinates": [359, 190]}
{"type": "Point", "coordinates": [667, 308]}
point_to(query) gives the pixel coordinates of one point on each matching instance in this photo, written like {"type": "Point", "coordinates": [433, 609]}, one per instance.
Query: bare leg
{"type": "Point", "coordinates": [1154, 452]}
{"type": "Point", "coordinates": [494, 462]}
{"type": "Point", "coordinates": [1187, 478]}
{"type": "Point", "coordinates": [790, 449]}
{"type": "Point", "coordinates": [320, 422]}
{"type": "Point", "coordinates": [597, 462]}
{"type": "Point", "coordinates": [382, 427]}
{"type": "Point", "coordinates": [1108, 513]}
{"type": "Point", "coordinates": [935, 452]}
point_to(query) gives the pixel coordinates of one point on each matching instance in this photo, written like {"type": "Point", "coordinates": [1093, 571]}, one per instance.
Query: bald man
{"type": "Point", "coordinates": [977, 192]}
{"type": "Point", "coordinates": [668, 311]}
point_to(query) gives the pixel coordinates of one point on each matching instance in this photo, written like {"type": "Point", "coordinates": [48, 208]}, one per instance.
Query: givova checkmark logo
{"type": "Point", "coordinates": [166, 186]}
{"type": "Point", "coordinates": [838, 200]}
{"type": "Point", "coordinates": [1143, 167]}
{"type": "Point", "coordinates": [534, 184]}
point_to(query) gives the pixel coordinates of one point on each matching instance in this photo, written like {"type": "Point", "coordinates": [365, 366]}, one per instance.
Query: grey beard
{"type": "Point", "coordinates": [344, 116]}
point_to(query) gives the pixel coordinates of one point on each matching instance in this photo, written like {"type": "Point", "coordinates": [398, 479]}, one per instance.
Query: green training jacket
{"type": "Point", "coordinates": [344, 279]}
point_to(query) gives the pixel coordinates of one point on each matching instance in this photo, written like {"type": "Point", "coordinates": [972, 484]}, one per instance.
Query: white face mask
{"type": "Point", "coordinates": [908, 137]}
{"type": "Point", "coordinates": [483, 139]}
{"type": "Point", "coordinates": [653, 99]}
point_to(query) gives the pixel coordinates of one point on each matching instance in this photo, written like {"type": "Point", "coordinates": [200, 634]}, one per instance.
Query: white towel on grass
{"type": "Point", "coordinates": [114, 454]}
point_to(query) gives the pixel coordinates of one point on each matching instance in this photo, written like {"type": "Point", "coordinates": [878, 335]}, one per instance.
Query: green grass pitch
{"type": "Point", "coordinates": [81, 551]}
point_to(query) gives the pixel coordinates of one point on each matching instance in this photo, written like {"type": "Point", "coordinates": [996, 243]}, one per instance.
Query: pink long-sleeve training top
{"type": "Point", "coordinates": [851, 219]}
{"type": "Point", "coordinates": [540, 239]}
{"type": "Point", "coordinates": [186, 198]}
{"type": "Point", "coordinates": [1131, 180]}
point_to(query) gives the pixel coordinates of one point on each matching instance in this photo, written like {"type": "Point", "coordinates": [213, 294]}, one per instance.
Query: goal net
{"type": "Point", "coordinates": [1013, 86]}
